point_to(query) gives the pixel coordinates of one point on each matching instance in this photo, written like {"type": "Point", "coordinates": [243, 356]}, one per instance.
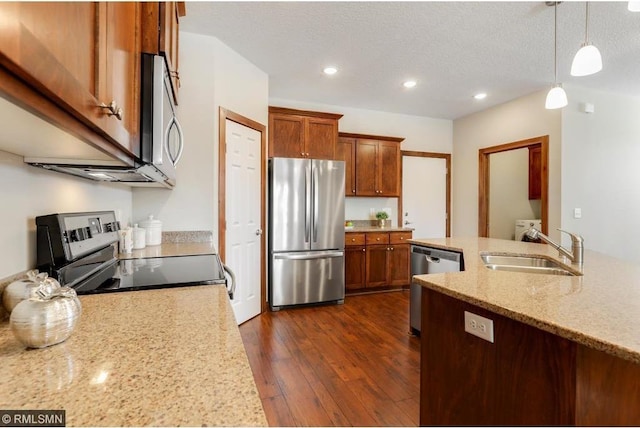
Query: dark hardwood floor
{"type": "Point", "coordinates": [338, 365]}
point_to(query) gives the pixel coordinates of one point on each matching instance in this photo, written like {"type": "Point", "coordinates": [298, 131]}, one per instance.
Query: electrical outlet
{"type": "Point", "coordinates": [478, 326]}
{"type": "Point", "coordinates": [372, 212]}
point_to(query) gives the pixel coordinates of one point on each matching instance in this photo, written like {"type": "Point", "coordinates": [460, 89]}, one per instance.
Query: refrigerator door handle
{"type": "Point", "coordinates": [307, 201]}
{"type": "Point", "coordinates": [314, 189]}
{"type": "Point", "coordinates": [323, 255]}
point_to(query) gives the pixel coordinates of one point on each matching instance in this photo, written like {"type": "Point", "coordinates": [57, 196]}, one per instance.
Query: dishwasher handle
{"type": "Point", "coordinates": [431, 259]}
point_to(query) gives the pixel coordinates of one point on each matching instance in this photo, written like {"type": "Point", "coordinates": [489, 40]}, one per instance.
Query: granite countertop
{"type": "Point", "coordinates": [166, 357]}
{"type": "Point", "coordinates": [600, 309]}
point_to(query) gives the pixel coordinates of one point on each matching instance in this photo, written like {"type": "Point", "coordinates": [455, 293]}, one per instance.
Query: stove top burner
{"type": "Point", "coordinates": [157, 272]}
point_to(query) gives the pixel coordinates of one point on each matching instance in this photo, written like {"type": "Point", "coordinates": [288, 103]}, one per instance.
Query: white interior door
{"type": "Point", "coordinates": [424, 196]}
{"type": "Point", "coordinates": [243, 233]}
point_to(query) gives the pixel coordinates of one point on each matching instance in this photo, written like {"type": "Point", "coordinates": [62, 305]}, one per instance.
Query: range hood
{"type": "Point", "coordinates": [141, 175]}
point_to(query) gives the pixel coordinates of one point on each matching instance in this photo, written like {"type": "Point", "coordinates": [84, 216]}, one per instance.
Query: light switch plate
{"type": "Point", "coordinates": [478, 326]}
{"type": "Point", "coordinates": [577, 213]}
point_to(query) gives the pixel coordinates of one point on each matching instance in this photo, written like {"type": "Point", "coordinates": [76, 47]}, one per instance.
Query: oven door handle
{"type": "Point", "coordinates": [232, 288]}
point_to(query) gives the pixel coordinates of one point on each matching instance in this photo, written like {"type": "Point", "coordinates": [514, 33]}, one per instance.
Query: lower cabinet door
{"type": "Point", "coordinates": [399, 267]}
{"type": "Point", "coordinates": [355, 264]}
{"type": "Point", "coordinates": [377, 265]}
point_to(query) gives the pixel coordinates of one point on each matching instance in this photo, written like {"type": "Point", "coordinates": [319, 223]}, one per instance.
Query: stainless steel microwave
{"type": "Point", "coordinates": [161, 137]}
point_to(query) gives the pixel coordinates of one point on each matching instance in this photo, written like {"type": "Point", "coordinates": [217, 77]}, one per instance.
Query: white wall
{"type": "Point", "coordinates": [28, 192]}
{"type": "Point", "coordinates": [211, 75]}
{"type": "Point", "coordinates": [600, 172]}
{"type": "Point", "coordinates": [515, 120]}
{"type": "Point", "coordinates": [420, 134]}
{"type": "Point", "coordinates": [509, 192]}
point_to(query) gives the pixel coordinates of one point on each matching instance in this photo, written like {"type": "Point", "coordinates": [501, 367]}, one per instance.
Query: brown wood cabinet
{"type": "Point", "coordinates": [346, 151]}
{"type": "Point", "coordinates": [377, 259]}
{"type": "Point", "coordinates": [67, 61]}
{"type": "Point", "coordinates": [355, 258]}
{"type": "Point", "coordinates": [535, 172]}
{"type": "Point", "coordinates": [525, 377]}
{"type": "Point", "coordinates": [374, 163]}
{"type": "Point", "coordinates": [302, 134]}
{"type": "Point", "coordinates": [160, 35]}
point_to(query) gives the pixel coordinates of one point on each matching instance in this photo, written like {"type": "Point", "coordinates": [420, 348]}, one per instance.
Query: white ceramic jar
{"type": "Point", "coordinates": [153, 230]}
{"type": "Point", "coordinates": [139, 237]}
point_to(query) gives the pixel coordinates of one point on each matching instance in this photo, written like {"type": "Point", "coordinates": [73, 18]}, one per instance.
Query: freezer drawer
{"type": "Point", "coordinates": [306, 277]}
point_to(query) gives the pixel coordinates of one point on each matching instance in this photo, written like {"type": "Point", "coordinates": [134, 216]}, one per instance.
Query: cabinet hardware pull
{"type": "Point", "coordinates": [113, 109]}
{"type": "Point", "coordinates": [363, 250]}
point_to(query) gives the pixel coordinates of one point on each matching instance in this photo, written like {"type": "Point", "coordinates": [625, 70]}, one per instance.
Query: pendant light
{"type": "Point", "coordinates": [557, 97]}
{"type": "Point", "coordinates": [587, 60]}
{"type": "Point", "coordinates": [634, 6]}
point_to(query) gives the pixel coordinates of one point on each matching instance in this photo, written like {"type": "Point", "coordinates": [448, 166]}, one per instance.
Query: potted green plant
{"type": "Point", "coordinates": [382, 217]}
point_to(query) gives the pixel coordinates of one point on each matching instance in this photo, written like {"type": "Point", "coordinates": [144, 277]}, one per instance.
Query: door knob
{"type": "Point", "coordinates": [407, 222]}
{"type": "Point", "coordinates": [258, 232]}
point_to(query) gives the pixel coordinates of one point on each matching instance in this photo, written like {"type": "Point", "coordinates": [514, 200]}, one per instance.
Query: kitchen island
{"type": "Point", "coordinates": [161, 357]}
{"type": "Point", "coordinates": [566, 349]}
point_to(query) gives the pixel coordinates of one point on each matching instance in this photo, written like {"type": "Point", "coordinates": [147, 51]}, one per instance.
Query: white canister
{"type": "Point", "coordinates": [139, 237]}
{"type": "Point", "coordinates": [153, 228]}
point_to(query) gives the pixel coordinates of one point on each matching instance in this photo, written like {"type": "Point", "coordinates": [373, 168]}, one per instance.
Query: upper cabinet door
{"type": "Point", "coordinates": [119, 72]}
{"type": "Point", "coordinates": [389, 168]}
{"type": "Point", "coordinates": [366, 167]}
{"type": "Point", "coordinates": [52, 47]}
{"type": "Point", "coordinates": [346, 151]}
{"type": "Point", "coordinates": [169, 31]}
{"type": "Point", "coordinates": [321, 138]}
{"type": "Point", "coordinates": [286, 136]}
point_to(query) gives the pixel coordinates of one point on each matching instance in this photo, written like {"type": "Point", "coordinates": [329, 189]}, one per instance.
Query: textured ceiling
{"type": "Point", "coordinates": [452, 49]}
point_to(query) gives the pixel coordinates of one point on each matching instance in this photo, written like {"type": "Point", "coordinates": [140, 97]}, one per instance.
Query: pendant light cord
{"type": "Point", "coordinates": [586, 26]}
{"type": "Point", "coordinates": [555, 43]}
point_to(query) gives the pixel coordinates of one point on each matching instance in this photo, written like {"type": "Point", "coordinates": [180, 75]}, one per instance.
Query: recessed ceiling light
{"type": "Point", "coordinates": [480, 96]}
{"type": "Point", "coordinates": [409, 84]}
{"type": "Point", "coordinates": [330, 70]}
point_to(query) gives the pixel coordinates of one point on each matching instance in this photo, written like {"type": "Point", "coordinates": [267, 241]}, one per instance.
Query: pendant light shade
{"type": "Point", "coordinates": [556, 98]}
{"type": "Point", "coordinates": [588, 59]}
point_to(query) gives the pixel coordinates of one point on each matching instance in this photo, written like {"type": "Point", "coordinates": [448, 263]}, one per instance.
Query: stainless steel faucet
{"type": "Point", "coordinates": [577, 247]}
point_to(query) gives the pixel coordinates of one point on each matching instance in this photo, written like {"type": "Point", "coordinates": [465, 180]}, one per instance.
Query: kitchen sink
{"type": "Point", "coordinates": [526, 264]}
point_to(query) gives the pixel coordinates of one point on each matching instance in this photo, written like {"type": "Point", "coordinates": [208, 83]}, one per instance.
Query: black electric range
{"type": "Point", "coordinates": [78, 250]}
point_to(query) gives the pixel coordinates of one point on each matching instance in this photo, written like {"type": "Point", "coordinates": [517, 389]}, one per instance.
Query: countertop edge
{"type": "Point", "coordinates": [564, 332]}
{"type": "Point", "coordinates": [595, 336]}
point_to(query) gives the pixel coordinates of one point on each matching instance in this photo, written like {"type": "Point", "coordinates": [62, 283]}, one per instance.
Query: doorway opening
{"type": "Point", "coordinates": [441, 204]}
{"type": "Point", "coordinates": [539, 144]}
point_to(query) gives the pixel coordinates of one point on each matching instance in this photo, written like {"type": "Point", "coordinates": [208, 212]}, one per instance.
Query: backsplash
{"type": "Point", "coordinates": [356, 208]}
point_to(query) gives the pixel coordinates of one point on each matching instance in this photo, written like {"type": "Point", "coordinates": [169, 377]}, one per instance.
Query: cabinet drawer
{"type": "Point", "coordinates": [399, 237]}
{"type": "Point", "coordinates": [377, 238]}
{"type": "Point", "coordinates": [354, 239]}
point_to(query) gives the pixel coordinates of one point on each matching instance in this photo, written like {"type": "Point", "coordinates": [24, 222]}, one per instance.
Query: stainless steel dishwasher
{"type": "Point", "coordinates": [426, 260]}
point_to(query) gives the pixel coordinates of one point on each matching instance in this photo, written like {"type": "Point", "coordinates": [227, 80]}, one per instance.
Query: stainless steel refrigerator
{"type": "Point", "coordinates": [306, 233]}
